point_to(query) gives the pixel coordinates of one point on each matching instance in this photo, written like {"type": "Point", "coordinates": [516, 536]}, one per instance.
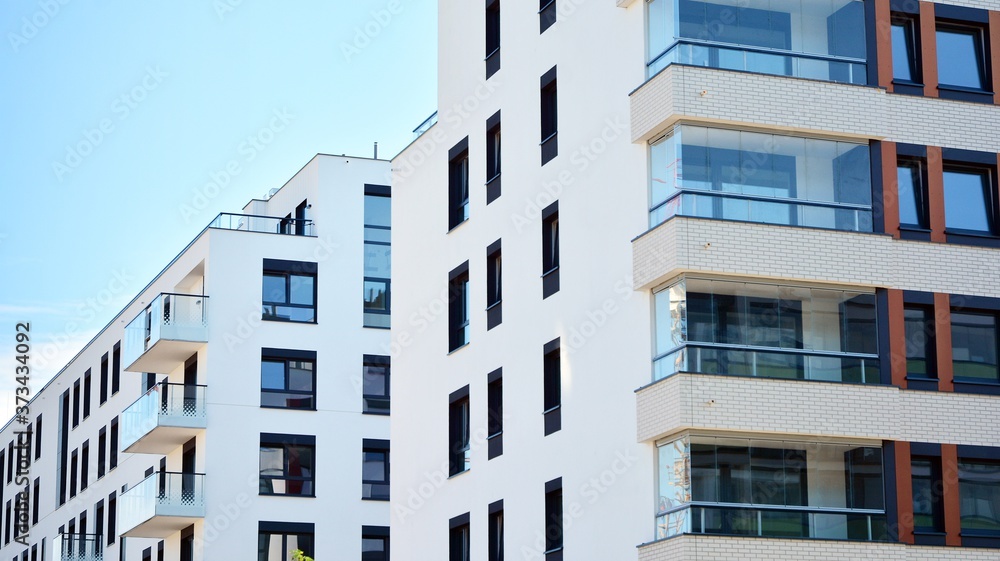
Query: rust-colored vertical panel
{"type": "Point", "coordinates": [952, 504]}
{"type": "Point", "coordinates": [890, 190]}
{"type": "Point", "coordinates": [904, 492]}
{"type": "Point", "coordinates": [928, 47]}
{"type": "Point", "coordinates": [883, 41]}
{"type": "Point", "coordinates": [897, 338]}
{"type": "Point", "coordinates": [942, 335]}
{"type": "Point", "coordinates": [995, 53]}
{"type": "Point", "coordinates": [935, 193]}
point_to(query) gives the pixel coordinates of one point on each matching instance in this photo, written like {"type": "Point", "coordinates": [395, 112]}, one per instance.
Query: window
{"type": "Point", "coordinates": [550, 250]}
{"type": "Point", "coordinates": [277, 540]}
{"type": "Point", "coordinates": [750, 329]}
{"type": "Point", "coordinates": [961, 57]}
{"type": "Point", "coordinates": [38, 436]}
{"type": "Point", "coordinates": [552, 383]}
{"type": "Point", "coordinates": [905, 49]}
{"type": "Point", "coordinates": [102, 450]}
{"type": "Point", "coordinates": [458, 307]}
{"type": "Point", "coordinates": [718, 485]}
{"type": "Point", "coordinates": [287, 464]}
{"type": "Point", "coordinates": [494, 285]}
{"type": "Point", "coordinates": [84, 465]}
{"type": "Point", "coordinates": [76, 403]}
{"type": "Point", "coordinates": [458, 183]}
{"type": "Point", "coordinates": [921, 357]}
{"type": "Point", "coordinates": [492, 37]}
{"type": "Point", "coordinates": [493, 158]}
{"type": "Point", "coordinates": [113, 454]}
{"type": "Point", "coordinates": [494, 413]}
{"type": "Point", "coordinates": [86, 394]}
{"type": "Point", "coordinates": [288, 379]}
{"type": "Point", "coordinates": [979, 491]}
{"type": "Point", "coordinates": [34, 500]}
{"type": "Point", "coordinates": [458, 431]}
{"type": "Point", "coordinates": [458, 538]}
{"type": "Point", "coordinates": [546, 14]}
{"type": "Point", "coordinates": [104, 379]}
{"type": "Point", "coordinates": [549, 115]}
{"type": "Point", "coordinates": [375, 470]}
{"type": "Point", "coordinates": [553, 520]}
{"type": "Point", "coordinates": [99, 521]}
{"type": "Point", "coordinates": [496, 532]}
{"type": "Point", "coordinates": [911, 179]}
{"type": "Point", "coordinates": [820, 41]}
{"type": "Point", "coordinates": [112, 518]}
{"type": "Point", "coordinates": [974, 346]}
{"type": "Point", "coordinates": [116, 368]}
{"type": "Point", "coordinates": [968, 200]}
{"type": "Point", "coordinates": [73, 472]}
{"type": "Point", "coordinates": [289, 291]}
{"type": "Point", "coordinates": [378, 256]}
{"type": "Point", "coordinates": [375, 384]}
{"type": "Point", "coordinates": [928, 504]}
{"type": "Point", "coordinates": [374, 543]}
{"type": "Point", "coordinates": [760, 177]}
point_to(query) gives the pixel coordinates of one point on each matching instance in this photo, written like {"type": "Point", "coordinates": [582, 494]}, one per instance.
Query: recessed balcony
{"type": "Point", "coordinates": [166, 333]}
{"type": "Point", "coordinates": [162, 504]}
{"type": "Point", "coordinates": [167, 416]}
{"type": "Point", "coordinates": [79, 547]}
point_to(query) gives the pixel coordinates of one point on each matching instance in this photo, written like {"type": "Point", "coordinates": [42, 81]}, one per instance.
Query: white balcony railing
{"type": "Point", "coordinates": [162, 504]}
{"type": "Point", "coordinates": [162, 408]}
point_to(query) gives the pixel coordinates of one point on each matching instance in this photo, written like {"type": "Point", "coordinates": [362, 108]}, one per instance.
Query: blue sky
{"type": "Point", "coordinates": [117, 115]}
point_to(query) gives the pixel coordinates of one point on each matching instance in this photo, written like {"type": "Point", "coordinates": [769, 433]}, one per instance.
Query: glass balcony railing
{"type": "Point", "coordinates": [162, 504]}
{"type": "Point", "coordinates": [165, 417]}
{"type": "Point", "coordinates": [166, 333]}
{"type": "Point", "coordinates": [765, 210]}
{"type": "Point", "coordinates": [264, 224]}
{"type": "Point", "coordinates": [424, 126]}
{"type": "Point", "coordinates": [78, 547]}
{"type": "Point", "coordinates": [774, 521]}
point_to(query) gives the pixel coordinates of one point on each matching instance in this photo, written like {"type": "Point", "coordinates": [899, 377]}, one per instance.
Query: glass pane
{"type": "Point", "coordinates": [302, 289]}
{"type": "Point", "coordinates": [377, 210]}
{"type": "Point", "coordinates": [919, 329]}
{"type": "Point", "coordinates": [960, 57]}
{"type": "Point", "coordinates": [979, 490]}
{"type": "Point", "coordinates": [910, 195]}
{"type": "Point", "coordinates": [966, 204]}
{"type": "Point", "coordinates": [903, 52]}
{"type": "Point", "coordinates": [272, 375]}
{"type": "Point", "coordinates": [974, 346]}
{"type": "Point", "coordinates": [300, 376]}
{"type": "Point", "coordinates": [373, 467]}
{"type": "Point", "coordinates": [376, 293]}
{"type": "Point", "coordinates": [373, 380]}
{"type": "Point", "coordinates": [272, 460]}
{"type": "Point", "coordinates": [295, 314]}
{"type": "Point", "coordinates": [378, 260]}
{"type": "Point", "coordinates": [274, 288]}
{"type": "Point", "coordinates": [674, 485]}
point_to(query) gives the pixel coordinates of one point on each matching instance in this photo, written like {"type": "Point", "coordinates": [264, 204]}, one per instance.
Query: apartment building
{"type": "Point", "coordinates": [726, 290]}
{"type": "Point", "coordinates": [237, 407]}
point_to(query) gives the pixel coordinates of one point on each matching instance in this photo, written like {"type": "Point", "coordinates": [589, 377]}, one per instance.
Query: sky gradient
{"type": "Point", "coordinates": [121, 118]}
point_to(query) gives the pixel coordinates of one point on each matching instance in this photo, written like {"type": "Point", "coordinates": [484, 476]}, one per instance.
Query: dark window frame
{"type": "Point", "coordinates": [286, 357]}
{"type": "Point", "coordinates": [379, 534]}
{"type": "Point", "coordinates": [981, 43]}
{"type": "Point", "coordinates": [552, 386]}
{"type": "Point", "coordinates": [372, 402]}
{"type": "Point", "coordinates": [550, 250]}
{"type": "Point", "coordinates": [554, 523]}
{"type": "Point", "coordinates": [918, 167]}
{"type": "Point", "coordinates": [385, 309]}
{"type": "Point", "coordinates": [289, 270]}
{"type": "Point", "coordinates": [495, 537]}
{"type": "Point", "coordinates": [494, 160]}
{"type": "Point", "coordinates": [494, 285]}
{"type": "Point", "coordinates": [286, 442]}
{"type": "Point", "coordinates": [911, 27]}
{"type": "Point", "coordinates": [458, 184]}
{"type": "Point", "coordinates": [494, 413]}
{"type": "Point", "coordinates": [989, 175]}
{"type": "Point", "coordinates": [549, 114]}
{"type": "Point", "coordinates": [928, 343]}
{"type": "Point", "coordinates": [372, 489]}
{"type": "Point", "coordinates": [492, 37]}
{"type": "Point", "coordinates": [459, 432]}
{"type": "Point", "coordinates": [995, 315]}
{"type": "Point", "coordinates": [547, 15]}
{"type": "Point", "coordinates": [459, 312]}
{"type": "Point", "coordinates": [284, 530]}
{"type": "Point", "coordinates": [936, 500]}
{"type": "Point", "coordinates": [459, 538]}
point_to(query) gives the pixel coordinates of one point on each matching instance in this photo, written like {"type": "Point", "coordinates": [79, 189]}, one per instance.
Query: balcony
{"type": "Point", "coordinates": [79, 547]}
{"type": "Point", "coordinates": [264, 224]}
{"type": "Point", "coordinates": [166, 333]}
{"type": "Point", "coordinates": [166, 417]}
{"type": "Point", "coordinates": [162, 504]}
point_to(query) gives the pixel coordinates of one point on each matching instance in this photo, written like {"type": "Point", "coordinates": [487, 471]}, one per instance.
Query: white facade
{"type": "Point", "coordinates": [223, 268]}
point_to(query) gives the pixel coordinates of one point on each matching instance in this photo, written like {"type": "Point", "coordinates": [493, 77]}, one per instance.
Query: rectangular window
{"type": "Point", "coordinates": [116, 368]}
{"type": "Point", "coordinates": [458, 183]}
{"type": "Point", "coordinates": [969, 202]}
{"type": "Point", "coordinates": [979, 492]}
{"type": "Point", "coordinates": [921, 356]}
{"type": "Point", "coordinates": [375, 469]}
{"type": "Point", "coordinates": [288, 379]}
{"type": "Point", "coordinates": [911, 179]}
{"type": "Point", "coordinates": [458, 307]}
{"type": "Point", "coordinates": [494, 285]}
{"type": "Point", "coordinates": [287, 464]}
{"type": "Point", "coordinates": [112, 518]}
{"type": "Point", "coordinates": [760, 177]}
{"type": "Point", "coordinates": [928, 503]}
{"type": "Point", "coordinates": [550, 250]}
{"type": "Point", "coordinates": [86, 394]}
{"type": "Point", "coordinates": [492, 37]}
{"type": "Point", "coordinates": [113, 451]}
{"type": "Point", "coordinates": [546, 14]}
{"type": "Point", "coordinates": [905, 49]}
{"type": "Point", "coordinates": [76, 403]}
{"type": "Point", "coordinates": [458, 431]}
{"type": "Point", "coordinates": [102, 450]}
{"type": "Point", "coordinates": [553, 520]}
{"type": "Point", "coordinates": [974, 346]}
{"type": "Point", "coordinates": [378, 255]}
{"type": "Point", "coordinates": [549, 114]}
{"type": "Point", "coordinates": [104, 379]}
{"type": "Point", "coordinates": [375, 384]}
{"type": "Point", "coordinates": [277, 540]}
{"type": "Point", "coordinates": [719, 485]}
{"type": "Point", "coordinates": [35, 489]}
{"type": "Point", "coordinates": [73, 473]}
{"type": "Point", "coordinates": [84, 465]}
{"type": "Point", "coordinates": [289, 291]}
{"type": "Point", "coordinates": [495, 531]}
{"type": "Point", "coordinates": [99, 522]}
{"type": "Point", "coordinates": [374, 543]}
{"type": "Point", "coordinates": [764, 330]}
{"type": "Point", "coordinates": [493, 158]}
{"type": "Point", "coordinates": [552, 384]}
{"type": "Point", "coordinates": [494, 413]}
{"type": "Point", "coordinates": [38, 436]}
{"type": "Point", "coordinates": [961, 54]}
{"type": "Point", "coordinates": [458, 539]}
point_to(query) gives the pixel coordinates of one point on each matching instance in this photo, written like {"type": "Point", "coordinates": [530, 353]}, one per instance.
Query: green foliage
{"type": "Point", "coordinates": [297, 555]}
